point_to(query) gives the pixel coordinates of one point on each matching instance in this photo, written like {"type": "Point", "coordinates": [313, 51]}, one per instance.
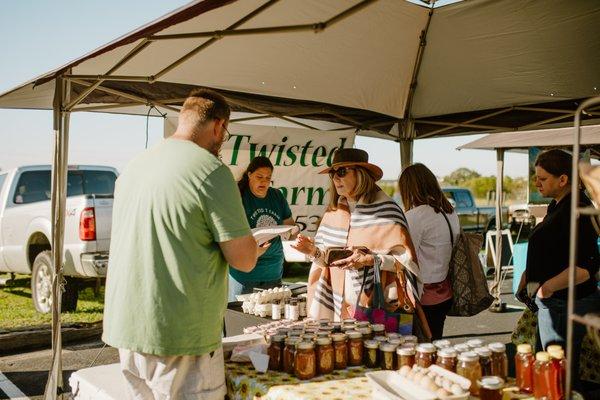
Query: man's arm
{"type": "Point", "coordinates": [240, 253]}
{"type": "Point", "coordinates": [561, 281]}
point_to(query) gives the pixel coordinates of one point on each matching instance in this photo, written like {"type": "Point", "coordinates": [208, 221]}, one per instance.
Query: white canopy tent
{"type": "Point", "coordinates": [389, 68]}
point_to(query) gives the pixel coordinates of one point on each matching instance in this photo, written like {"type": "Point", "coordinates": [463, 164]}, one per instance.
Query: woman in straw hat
{"type": "Point", "coordinates": [363, 218]}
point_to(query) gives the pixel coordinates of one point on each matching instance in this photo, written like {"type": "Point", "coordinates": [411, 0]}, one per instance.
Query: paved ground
{"type": "Point", "coordinates": [29, 371]}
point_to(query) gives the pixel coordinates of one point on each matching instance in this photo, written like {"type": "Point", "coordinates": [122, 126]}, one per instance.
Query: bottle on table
{"type": "Point", "coordinates": [355, 348]}
{"type": "Point", "coordinates": [371, 353]}
{"type": "Point", "coordinates": [388, 356]}
{"type": "Point", "coordinates": [340, 350]}
{"type": "Point", "coordinates": [541, 375]}
{"type": "Point", "coordinates": [405, 356]}
{"type": "Point", "coordinates": [289, 354]}
{"type": "Point", "coordinates": [558, 371]}
{"type": "Point", "coordinates": [425, 355]}
{"type": "Point", "coordinates": [524, 361]}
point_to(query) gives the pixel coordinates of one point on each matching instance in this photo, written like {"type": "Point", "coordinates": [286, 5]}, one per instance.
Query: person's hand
{"type": "Point", "coordinates": [262, 249]}
{"type": "Point", "coordinates": [359, 259]}
{"type": "Point", "coordinates": [304, 245]}
{"type": "Point", "coordinates": [544, 292]}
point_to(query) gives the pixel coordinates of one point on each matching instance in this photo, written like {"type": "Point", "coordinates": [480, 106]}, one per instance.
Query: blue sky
{"type": "Point", "coordinates": [37, 36]}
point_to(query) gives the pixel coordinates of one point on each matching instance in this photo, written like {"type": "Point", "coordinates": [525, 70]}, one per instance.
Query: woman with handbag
{"type": "Point", "coordinates": [434, 228]}
{"type": "Point", "coordinates": [546, 271]}
{"type": "Point", "coordinates": [361, 217]}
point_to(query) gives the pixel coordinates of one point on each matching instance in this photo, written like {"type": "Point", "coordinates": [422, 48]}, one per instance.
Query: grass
{"type": "Point", "coordinates": [296, 272]}
{"type": "Point", "coordinates": [17, 311]}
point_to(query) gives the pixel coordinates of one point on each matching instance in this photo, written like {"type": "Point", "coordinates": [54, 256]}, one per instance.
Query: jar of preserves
{"type": "Point", "coordinates": [475, 343]}
{"type": "Point", "coordinates": [366, 332]}
{"type": "Point", "coordinates": [447, 358]}
{"type": "Point", "coordinates": [305, 362]}
{"type": "Point", "coordinates": [276, 352]}
{"type": "Point", "coordinates": [289, 353]}
{"type": "Point", "coordinates": [524, 361]}
{"type": "Point", "coordinates": [541, 374]}
{"type": "Point", "coordinates": [388, 355]}
{"type": "Point", "coordinates": [499, 360]}
{"type": "Point", "coordinates": [405, 356]}
{"type": "Point", "coordinates": [468, 367]}
{"type": "Point", "coordinates": [380, 339]}
{"type": "Point", "coordinates": [325, 356]}
{"type": "Point", "coordinates": [425, 355]}
{"type": "Point", "coordinates": [340, 360]}
{"type": "Point", "coordinates": [558, 365]}
{"type": "Point", "coordinates": [441, 344]}
{"type": "Point", "coordinates": [490, 388]}
{"type": "Point", "coordinates": [378, 329]}
{"type": "Point", "coordinates": [371, 353]}
{"type": "Point", "coordinates": [355, 348]}
{"type": "Point", "coordinates": [485, 360]}
{"type": "Point", "coordinates": [411, 339]}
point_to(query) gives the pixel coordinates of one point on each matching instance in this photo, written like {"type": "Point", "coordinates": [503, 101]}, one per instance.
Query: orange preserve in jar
{"type": "Point", "coordinates": [468, 367]}
{"type": "Point", "coordinates": [355, 348]}
{"type": "Point", "coordinates": [499, 360]}
{"type": "Point", "coordinates": [524, 361]}
{"type": "Point", "coordinates": [405, 356]}
{"type": "Point", "coordinates": [446, 358]}
{"type": "Point", "coordinates": [340, 360]}
{"type": "Point", "coordinates": [305, 363]}
{"type": "Point", "coordinates": [325, 356]}
{"type": "Point", "coordinates": [289, 354]}
{"type": "Point", "coordinates": [425, 356]}
{"type": "Point", "coordinates": [490, 388]}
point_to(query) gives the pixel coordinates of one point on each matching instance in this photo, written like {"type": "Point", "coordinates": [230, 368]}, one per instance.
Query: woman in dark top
{"type": "Point", "coordinates": [548, 257]}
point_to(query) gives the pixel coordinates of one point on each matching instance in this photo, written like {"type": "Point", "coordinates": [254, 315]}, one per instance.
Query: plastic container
{"type": "Point", "coordinates": [524, 362]}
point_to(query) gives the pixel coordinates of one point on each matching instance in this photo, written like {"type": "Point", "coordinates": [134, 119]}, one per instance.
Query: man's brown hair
{"type": "Point", "coordinates": [204, 105]}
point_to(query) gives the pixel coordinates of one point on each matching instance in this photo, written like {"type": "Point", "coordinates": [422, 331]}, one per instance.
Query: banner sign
{"type": "Point", "coordinates": [297, 155]}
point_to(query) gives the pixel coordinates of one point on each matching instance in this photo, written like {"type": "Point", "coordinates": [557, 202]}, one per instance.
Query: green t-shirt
{"type": "Point", "coordinates": [271, 210]}
{"type": "Point", "coordinates": [166, 289]}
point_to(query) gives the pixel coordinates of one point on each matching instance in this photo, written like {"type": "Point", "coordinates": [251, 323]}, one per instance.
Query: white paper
{"type": "Point", "coordinates": [263, 235]}
{"type": "Point", "coordinates": [259, 361]}
{"type": "Point", "coordinates": [292, 255]}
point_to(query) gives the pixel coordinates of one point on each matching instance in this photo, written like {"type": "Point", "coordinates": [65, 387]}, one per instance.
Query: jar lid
{"type": "Point", "coordinates": [440, 344]}
{"type": "Point", "coordinates": [405, 351]}
{"type": "Point", "coordinates": [497, 347]}
{"type": "Point", "coordinates": [556, 353]}
{"type": "Point", "coordinates": [363, 324]}
{"type": "Point", "coordinates": [483, 351]}
{"type": "Point", "coordinates": [387, 347]}
{"type": "Point", "coordinates": [392, 335]}
{"type": "Point", "coordinates": [553, 347]}
{"type": "Point", "coordinates": [525, 348]}
{"type": "Point", "coordinates": [354, 334]}
{"type": "Point", "coordinates": [322, 341]}
{"type": "Point", "coordinates": [338, 337]}
{"type": "Point", "coordinates": [277, 338]}
{"type": "Point", "coordinates": [447, 352]}
{"type": "Point", "coordinates": [348, 327]}
{"type": "Point", "coordinates": [426, 348]}
{"type": "Point", "coordinates": [366, 330]}
{"type": "Point", "coordinates": [380, 338]}
{"type": "Point", "coordinates": [371, 344]}
{"type": "Point", "coordinates": [475, 343]}
{"type": "Point", "coordinates": [410, 339]}
{"type": "Point", "coordinates": [349, 321]}
{"type": "Point", "coordinates": [334, 324]}
{"type": "Point", "coordinates": [378, 327]}
{"type": "Point", "coordinates": [293, 340]}
{"type": "Point", "coordinates": [306, 345]}
{"type": "Point", "coordinates": [462, 348]}
{"type": "Point", "coordinates": [323, 334]}
{"type": "Point", "coordinates": [542, 356]}
{"type": "Point", "coordinates": [469, 356]}
{"type": "Point", "coordinates": [283, 331]}
{"type": "Point", "coordinates": [324, 321]}
{"type": "Point", "coordinates": [396, 341]}
{"type": "Point", "coordinates": [491, 382]}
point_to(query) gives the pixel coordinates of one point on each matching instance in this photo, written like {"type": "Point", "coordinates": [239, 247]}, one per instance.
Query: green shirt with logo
{"type": "Point", "coordinates": [166, 289]}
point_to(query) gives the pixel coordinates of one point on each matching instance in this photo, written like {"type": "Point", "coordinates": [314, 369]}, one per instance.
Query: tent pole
{"type": "Point", "coordinates": [54, 385]}
{"type": "Point", "coordinates": [497, 306]}
{"type": "Point", "coordinates": [406, 153]}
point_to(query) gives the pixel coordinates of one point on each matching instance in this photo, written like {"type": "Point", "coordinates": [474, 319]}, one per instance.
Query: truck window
{"type": "Point", "coordinates": [463, 199]}
{"type": "Point", "coordinates": [34, 186]}
{"type": "Point", "coordinates": [2, 179]}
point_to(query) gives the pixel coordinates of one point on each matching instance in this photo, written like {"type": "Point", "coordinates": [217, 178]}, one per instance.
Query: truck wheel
{"type": "Point", "coordinates": [41, 286]}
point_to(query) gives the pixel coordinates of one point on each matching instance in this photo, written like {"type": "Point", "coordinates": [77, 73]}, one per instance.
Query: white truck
{"type": "Point", "coordinates": [25, 228]}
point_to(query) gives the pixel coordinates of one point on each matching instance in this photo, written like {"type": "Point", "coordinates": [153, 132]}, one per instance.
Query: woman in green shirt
{"type": "Point", "coordinates": [264, 206]}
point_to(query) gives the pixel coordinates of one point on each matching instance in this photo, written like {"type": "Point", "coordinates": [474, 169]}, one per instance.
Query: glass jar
{"type": "Point", "coordinates": [499, 360]}
{"type": "Point", "coordinates": [524, 361]}
{"type": "Point", "coordinates": [469, 368]}
{"type": "Point", "coordinates": [396, 341]}
{"type": "Point", "coordinates": [425, 355]}
{"type": "Point", "coordinates": [388, 353]}
{"type": "Point", "coordinates": [380, 339]}
{"type": "Point", "coordinates": [276, 352]}
{"type": "Point", "coordinates": [441, 344]}
{"type": "Point", "coordinates": [289, 353]}
{"type": "Point", "coordinates": [405, 356]}
{"type": "Point", "coordinates": [392, 335]}
{"type": "Point", "coordinates": [305, 361]}
{"type": "Point", "coordinates": [541, 372]}
{"type": "Point", "coordinates": [349, 321]}
{"type": "Point", "coordinates": [337, 326]}
{"type": "Point", "coordinates": [324, 321]}
{"type": "Point", "coordinates": [558, 365]}
{"type": "Point", "coordinates": [366, 332]}
{"type": "Point", "coordinates": [490, 388]}
{"type": "Point", "coordinates": [462, 348]}
{"type": "Point", "coordinates": [447, 358]}
{"type": "Point", "coordinates": [323, 334]}
{"type": "Point", "coordinates": [411, 339]}
{"type": "Point", "coordinates": [378, 329]}
{"type": "Point", "coordinates": [485, 360]}
{"type": "Point", "coordinates": [371, 353]}
{"type": "Point", "coordinates": [340, 351]}
{"type": "Point", "coordinates": [362, 324]}
{"type": "Point", "coordinates": [475, 343]}
{"type": "Point", "coordinates": [355, 348]}
{"type": "Point", "coordinates": [325, 356]}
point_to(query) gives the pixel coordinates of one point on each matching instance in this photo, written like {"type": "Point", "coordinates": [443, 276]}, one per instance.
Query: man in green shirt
{"type": "Point", "coordinates": [178, 221]}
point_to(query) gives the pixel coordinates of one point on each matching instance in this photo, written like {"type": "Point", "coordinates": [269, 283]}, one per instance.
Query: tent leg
{"type": "Point", "coordinates": [406, 153]}
{"type": "Point", "coordinates": [497, 305]}
{"type": "Point", "coordinates": [54, 386]}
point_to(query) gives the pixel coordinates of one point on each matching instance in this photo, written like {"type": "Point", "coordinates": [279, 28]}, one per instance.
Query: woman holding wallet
{"type": "Point", "coordinates": [264, 206]}
{"type": "Point", "coordinates": [362, 218]}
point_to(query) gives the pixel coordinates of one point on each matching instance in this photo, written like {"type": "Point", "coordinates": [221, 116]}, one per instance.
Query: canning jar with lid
{"type": "Point", "coordinates": [475, 343]}
{"type": "Point", "coordinates": [388, 353]}
{"type": "Point", "coordinates": [485, 360]}
{"type": "Point", "coordinates": [276, 352]}
{"type": "Point", "coordinates": [378, 329]}
{"type": "Point", "coordinates": [411, 339]}
{"type": "Point", "coordinates": [425, 356]}
{"type": "Point", "coordinates": [441, 344]}
{"type": "Point", "coordinates": [524, 361]}
{"type": "Point", "coordinates": [490, 388]}
{"type": "Point", "coordinates": [289, 353]}
{"type": "Point", "coordinates": [371, 353]}
{"type": "Point", "coordinates": [499, 360]}
{"type": "Point", "coordinates": [405, 356]}
{"type": "Point", "coordinates": [305, 361]}
{"type": "Point", "coordinates": [468, 367]}
{"type": "Point", "coordinates": [446, 358]}
{"type": "Point", "coordinates": [325, 356]}
{"type": "Point", "coordinates": [340, 351]}
{"type": "Point", "coordinates": [366, 332]}
{"type": "Point", "coordinates": [355, 348]}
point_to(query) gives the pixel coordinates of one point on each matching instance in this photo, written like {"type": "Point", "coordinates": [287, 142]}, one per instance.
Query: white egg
{"type": "Point", "coordinates": [433, 387]}
{"type": "Point", "coordinates": [447, 384]}
{"type": "Point", "coordinates": [410, 375]}
{"type": "Point", "coordinates": [404, 370]}
{"type": "Point", "coordinates": [425, 382]}
{"type": "Point", "coordinates": [442, 393]}
{"type": "Point", "coordinates": [439, 380]}
{"type": "Point", "coordinates": [417, 377]}
{"type": "Point", "coordinates": [456, 389]}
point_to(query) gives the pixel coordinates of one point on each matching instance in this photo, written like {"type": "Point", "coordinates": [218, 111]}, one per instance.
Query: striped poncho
{"type": "Point", "coordinates": [379, 226]}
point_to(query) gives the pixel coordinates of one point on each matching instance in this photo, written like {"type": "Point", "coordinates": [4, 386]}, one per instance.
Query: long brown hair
{"type": "Point", "coordinates": [365, 190]}
{"type": "Point", "coordinates": [256, 163]}
{"type": "Point", "coordinates": [419, 186]}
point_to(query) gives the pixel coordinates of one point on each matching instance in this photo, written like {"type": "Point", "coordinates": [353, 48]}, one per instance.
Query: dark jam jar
{"type": "Point", "coordinates": [446, 358]}
{"type": "Point", "coordinates": [325, 356]}
{"type": "Point", "coordinates": [289, 353]}
{"type": "Point", "coordinates": [378, 330]}
{"type": "Point", "coordinates": [340, 351]}
{"type": "Point", "coordinates": [388, 356]}
{"type": "Point", "coordinates": [499, 360]}
{"type": "Point", "coordinates": [366, 332]}
{"type": "Point", "coordinates": [485, 360]}
{"type": "Point", "coordinates": [276, 352]}
{"type": "Point", "coordinates": [355, 348]}
{"type": "Point", "coordinates": [425, 356]}
{"type": "Point", "coordinates": [305, 362]}
{"type": "Point", "coordinates": [371, 353]}
{"type": "Point", "coordinates": [405, 356]}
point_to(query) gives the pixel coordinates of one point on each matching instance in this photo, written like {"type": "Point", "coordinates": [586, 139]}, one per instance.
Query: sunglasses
{"type": "Point", "coordinates": [340, 172]}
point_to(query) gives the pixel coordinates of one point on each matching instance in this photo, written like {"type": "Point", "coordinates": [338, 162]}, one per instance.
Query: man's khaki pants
{"type": "Point", "coordinates": [151, 377]}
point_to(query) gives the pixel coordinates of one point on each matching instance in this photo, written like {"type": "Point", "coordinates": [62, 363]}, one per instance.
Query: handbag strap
{"type": "Point", "coordinates": [378, 299]}
{"type": "Point", "coordinates": [449, 227]}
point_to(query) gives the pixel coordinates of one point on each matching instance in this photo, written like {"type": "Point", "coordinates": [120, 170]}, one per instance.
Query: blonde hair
{"type": "Point", "coordinates": [202, 106]}
{"type": "Point", "coordinates": [365, 190]}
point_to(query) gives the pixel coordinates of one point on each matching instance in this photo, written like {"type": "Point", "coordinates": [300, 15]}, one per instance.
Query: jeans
{"type": "Point", "coordinates": [552, 326]}
{"type": "Point", "coordinates": [236, 288]}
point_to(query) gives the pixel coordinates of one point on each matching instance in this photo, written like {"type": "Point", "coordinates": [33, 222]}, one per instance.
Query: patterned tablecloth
{"type": "Point", "coordinates": [244, 383]}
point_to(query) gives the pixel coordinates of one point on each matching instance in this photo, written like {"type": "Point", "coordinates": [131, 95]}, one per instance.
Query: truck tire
{"type": "Point", "coordinates": [41, 286]}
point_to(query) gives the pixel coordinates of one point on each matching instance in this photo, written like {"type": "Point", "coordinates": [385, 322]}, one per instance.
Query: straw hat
{"type": "Point", "coordinates": [354, 157]}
